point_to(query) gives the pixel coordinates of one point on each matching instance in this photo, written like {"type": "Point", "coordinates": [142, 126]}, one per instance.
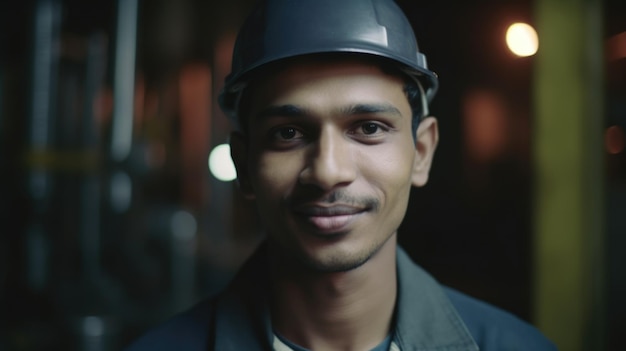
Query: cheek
{"type": "Point", "coordinates": [390, 169]}
{"type": "Point", "coordinates": [394, 162]}
{"type": "Point", "coordinates": [274, 173]}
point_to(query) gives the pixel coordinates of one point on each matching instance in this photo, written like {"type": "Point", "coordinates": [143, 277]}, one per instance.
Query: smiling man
{"type": "Point", "coordinates": [330, 156]}
{"type": "Point", "coordinates": [331, 103]}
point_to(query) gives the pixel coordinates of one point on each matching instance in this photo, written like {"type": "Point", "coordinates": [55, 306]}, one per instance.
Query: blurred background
{"type": "Point", "coordinates": [117, 208]}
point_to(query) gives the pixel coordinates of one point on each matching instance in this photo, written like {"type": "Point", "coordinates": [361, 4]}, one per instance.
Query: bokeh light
{"type": "Point", "coordinates": [614, 140]}
{"type": "Point", "coordinates": [220, 163]}
{"type": "Point", "coordinates": [522, 39]}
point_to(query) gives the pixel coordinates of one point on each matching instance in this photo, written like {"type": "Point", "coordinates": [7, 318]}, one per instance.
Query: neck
{"type": "Point", "coordinates": [350, 310]}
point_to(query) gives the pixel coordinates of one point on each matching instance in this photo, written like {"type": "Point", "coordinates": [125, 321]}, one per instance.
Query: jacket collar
{"type": "Point", "coordinates": [242, 317]}
{"type": "Point", "coordinates": [425, 318]}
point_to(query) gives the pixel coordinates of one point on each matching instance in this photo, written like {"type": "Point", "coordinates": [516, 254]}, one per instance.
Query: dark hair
{"type": "Point", "coordinates": [414, 95]}
{"type": "Point", "coordinates": [411, 88]}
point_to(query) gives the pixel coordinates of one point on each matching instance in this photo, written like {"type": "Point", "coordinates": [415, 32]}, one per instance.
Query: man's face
{"type": "Point", "coordinates": [330, 159]}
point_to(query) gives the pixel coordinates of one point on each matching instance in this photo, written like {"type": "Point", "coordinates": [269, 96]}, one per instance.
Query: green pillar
{"type": "Point", "coordinates": [569, 174]}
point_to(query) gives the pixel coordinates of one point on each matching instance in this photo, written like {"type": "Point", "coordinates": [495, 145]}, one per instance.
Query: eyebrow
{"type": "Point", "coordinates": [350, 110]}
{"type": "Point", "coordinates": [283, 111]}
{"type": "Point", "coordinates": [369, 109]}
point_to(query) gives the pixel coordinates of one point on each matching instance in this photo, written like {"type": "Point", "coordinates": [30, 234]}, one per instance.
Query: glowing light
{"type": "Point", "coordinates": [522, 39]}
{"type": "Point", "coordinates": [614, 140]}
{"type": "Point", "coordinates": [616, 47]}
{"type": "Point", "coordinates": [221, 165]}
{"type": "Point", "coordinates": [485, 125]}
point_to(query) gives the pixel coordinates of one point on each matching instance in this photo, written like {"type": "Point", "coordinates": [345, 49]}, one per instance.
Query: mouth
{"type": "Point", "coordinates": [329, 219]}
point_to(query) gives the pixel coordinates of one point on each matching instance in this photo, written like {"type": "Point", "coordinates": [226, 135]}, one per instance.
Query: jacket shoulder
{"type": "Point", "coordinates": [496, 329]}
{"type": "Point", "coordinates": [188, 330]}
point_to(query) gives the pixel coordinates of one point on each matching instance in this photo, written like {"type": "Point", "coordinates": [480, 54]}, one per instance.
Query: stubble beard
{"type": "Point", "coordinates": [332, 264]}
{"type": "Point", "coordinates": [335, 263]}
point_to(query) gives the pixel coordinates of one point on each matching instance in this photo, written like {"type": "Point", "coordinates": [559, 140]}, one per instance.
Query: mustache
{"type": "Point", "coordinates": [338, 197]}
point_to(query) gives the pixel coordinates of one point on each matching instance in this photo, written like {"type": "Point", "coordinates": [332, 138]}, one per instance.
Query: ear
{"type": "Point", "coordinates": [426, 140]}
{"type": "Point", "coordinates": [239, 154]}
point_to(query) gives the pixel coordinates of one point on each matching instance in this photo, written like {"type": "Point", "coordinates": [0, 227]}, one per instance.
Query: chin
{"type": "Point", "coordinates": [335, 259]}
{"type": "Point", "coordinates": [336, 264]}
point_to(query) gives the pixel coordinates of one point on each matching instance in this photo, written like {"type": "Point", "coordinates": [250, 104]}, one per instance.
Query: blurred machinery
{"type": "Point", "coordinates": [109, 245]}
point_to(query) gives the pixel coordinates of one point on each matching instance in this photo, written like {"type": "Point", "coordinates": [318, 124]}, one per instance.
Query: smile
{"type": "Point", "coordinates": [329, 219]}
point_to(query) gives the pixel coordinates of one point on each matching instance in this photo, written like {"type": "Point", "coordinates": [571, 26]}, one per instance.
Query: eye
{"type": "Point", "coordinates": [287, 133]}
{"type": "Point", "coordinates": [370, 128]}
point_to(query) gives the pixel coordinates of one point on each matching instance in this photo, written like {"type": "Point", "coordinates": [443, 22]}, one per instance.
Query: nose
{"type": "Point", "coordinates": [330, 162]}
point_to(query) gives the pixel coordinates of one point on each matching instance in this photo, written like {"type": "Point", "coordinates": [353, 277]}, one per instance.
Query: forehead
{"type": "Point", "coordinates": [328, 82]}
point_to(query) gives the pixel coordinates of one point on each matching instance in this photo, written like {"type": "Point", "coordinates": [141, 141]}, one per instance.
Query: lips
{"type": "Point", "coordinates": [329, 219]}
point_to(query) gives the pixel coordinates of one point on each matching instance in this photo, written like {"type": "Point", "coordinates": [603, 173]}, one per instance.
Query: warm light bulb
{"type": "Point", "coordinates": [220, 163]}
{"type": "Point", "coordinates": [522, 39]}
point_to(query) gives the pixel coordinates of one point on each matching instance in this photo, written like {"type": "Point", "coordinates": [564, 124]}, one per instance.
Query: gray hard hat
{"type": "Point", "coordinates": [281, 29]}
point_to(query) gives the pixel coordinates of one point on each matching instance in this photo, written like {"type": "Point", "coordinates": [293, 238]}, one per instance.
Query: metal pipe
{"type": "Point", "coordinates": [43, 96]}
{"type": "Point", "coordinates": [45, 71]}
{"type": "Point", "coordinates": [183, 229]}
{"type": "Point", "coordinates": [89, 235]}
{"type": "Point", "coordinates": [124, 80]}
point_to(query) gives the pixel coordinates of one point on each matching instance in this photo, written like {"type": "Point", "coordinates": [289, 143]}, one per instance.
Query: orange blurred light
{"type": "Point", "coordinates": [614, 140]}
{"type": "Point", "coordinates": [616, 47]}
{"type": "Point", "coordinates": [195, 128]}
{"type": "Point", "coordinates": [485, 125]}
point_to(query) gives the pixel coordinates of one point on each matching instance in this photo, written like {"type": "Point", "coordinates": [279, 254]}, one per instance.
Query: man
{"type": "Point", "coordinates": [330, 99]}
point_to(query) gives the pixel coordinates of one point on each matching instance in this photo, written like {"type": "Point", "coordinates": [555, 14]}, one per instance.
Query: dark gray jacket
{"type": "Point", "coordinates": [428, 317]}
